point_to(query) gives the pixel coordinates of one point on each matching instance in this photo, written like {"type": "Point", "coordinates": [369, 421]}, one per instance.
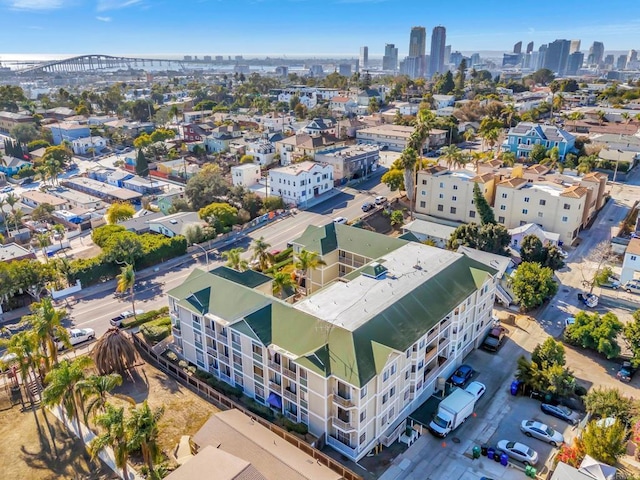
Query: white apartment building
{"type": "Point", "coordinates": [449, 193]}
{"type": "Point", "coordinates": [82, 146]}
{"type": "Point", "coordinates": [631, 262]}
{"type": "Point", "coordinates": [300, 182]}
{"type": "Point", "coordinates": [353, 360]}
{"type": "Point", "coordinates": [247, 174]}
{"type": "Point", "coordinates": [262, 151]}
{"type": "Point", "coordinates": [555, 207]}
{"type": "Point", "coordinates": [395, 137]}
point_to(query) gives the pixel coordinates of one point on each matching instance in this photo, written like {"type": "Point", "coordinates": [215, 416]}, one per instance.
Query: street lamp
{"type": "Point", "coordinates": [204, 250]}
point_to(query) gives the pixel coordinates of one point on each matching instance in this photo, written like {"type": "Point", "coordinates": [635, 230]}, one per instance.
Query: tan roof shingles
{"type": "Point", "coordinates": [575, 191]}
{"type": "Point", "coordinates": [634, 247]}
{"type": "Point", "coordinates": [513, 182]}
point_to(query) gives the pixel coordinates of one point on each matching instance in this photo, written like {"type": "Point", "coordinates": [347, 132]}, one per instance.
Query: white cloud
{"type": "Point", "coordinates": [104, 5]}
{"type": "Point", "coordinates": [104, 19]}
{"type": "Point", "coordinates": [35, 5]}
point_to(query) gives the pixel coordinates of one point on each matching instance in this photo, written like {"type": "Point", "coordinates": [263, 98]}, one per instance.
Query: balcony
{"type": "Point", "coordinates": [432, 336]}
{"type": "Point", "coordinates": [443, 343]}
{"type": "Point", "coordinates": [276, 387]}
{"type": "Point", "coordinates": [303, 381]}
{"type": "Point", "coordinates": [224, 358]}
{"type": "Point", "coordinates": [274, 365]}
{"type": "Point", "coordinates": [342, 401]}
{"type": "Point", "coordinates": [432, 350]}
{"type": "Point", "coordinates": [344, 426]}
{"type": "Point", "coordinates": [445, 325]}
{"type": "Point", "coordinates": [289, 373]}
{"type": "Point", "coordinates": [291, 416]}
{"type": "Point", "coordinates": [257, 357]}
{"type": "Point", "coordinates": [289, 395]}
{"type": "Point", "coordinates": [346, 450]}
{"type": "Point", "coordinates": [175, 330]}
{"type": "Point", "coordinates": [210, 331]}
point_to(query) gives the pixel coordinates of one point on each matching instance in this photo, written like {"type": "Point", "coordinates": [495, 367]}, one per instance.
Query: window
{"type": "Point", "coordinates": [543, 202]}
{"type": "Point", "coordinates": [472, 214]}
{"type": "Point", "coordinates": [392, 391]}
{"type": "Point", "coordinates": [526, 199]}
{"type": "Point", "coordinates": [393, 369]}
{"type": "Point", "coordinates": [567, 206]}
{"type": "Point", "coordinates": [455, 187]}
{"type": "Point", "coordinates": [391, 412]}
{"type": "Point", "coordinates": [385, 397]}
{"type": "Point", "coordinates": [406, 395]}
{"type": "Point", "coordinates": [423, 193]}
{"type": "Point", "coordinates": [383, 422]}
{"type": "Point", "coordinates": [500, 219]}
{"type": "Point", "coordinates": [257, 349]}
{"type": "Point", "coordinates": [235, 338]}
{"type": "Point", "coordinates": [258, 371]}
{"type": "Point", "coordinates": [440, 208]}
{"type": "Point", "coordinates": [504, 195]}
{"type": "Point", "coordinates": [634, 258]}
{"type": "Point", "coordinates": [385, 376]}
{"type": "Point", "coordinates": [423, 204]}
{"type": "Point", "coordinates": [454, 198]}
{"type": "Point", "coordinates": [363, 438]}
{"type": "Point", "coordinates": [363, 415]}
{"type": "Point", "coordinates": [441, 185]}
{"type": "Point", "coordinates": [363, 392]}
{"type": "Point", "coordinates": [453, 209]}
{"type": "Point", "coordinates": [565, 219]}
{"type": "Point", "coordinates": [424, 182]}
{"type": "Point", "coordinates": [441, 195]}
{"type": "Point", "coordinates": [540, 214]}
{"type": "Point", "coordinates": [503, 207]}
{"type": "Point", "coordinates": [525, 211]}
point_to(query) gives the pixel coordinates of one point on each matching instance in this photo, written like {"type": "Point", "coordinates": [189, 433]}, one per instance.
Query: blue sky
{"type": "Point", "coordinates": [297, 27]}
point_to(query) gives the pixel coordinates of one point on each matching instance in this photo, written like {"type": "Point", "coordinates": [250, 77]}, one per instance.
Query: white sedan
{"type": "Point", "coordinates": [340, 220]}
{"type": "Point", "coordinates": [539, 430]}
{"type": "Point", "coordinates": [519, 451]}
{"type": "Point", "coordinates": [477, 389]}
{"type": "Point", "coordinates": [77, 336]}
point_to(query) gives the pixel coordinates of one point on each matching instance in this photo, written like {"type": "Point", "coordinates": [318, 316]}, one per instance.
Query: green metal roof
{"type": "Point", "coordinates": [325, 348]}
{"type": "Point", "coordinates": [248, 278]}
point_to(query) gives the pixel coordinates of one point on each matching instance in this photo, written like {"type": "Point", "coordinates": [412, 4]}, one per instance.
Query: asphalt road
{"type": "Point", "coordinates": [96, 310]}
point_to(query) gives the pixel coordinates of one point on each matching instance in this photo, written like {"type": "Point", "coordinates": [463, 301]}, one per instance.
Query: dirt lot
{"type": "Point", "coordinates": [27, 453]}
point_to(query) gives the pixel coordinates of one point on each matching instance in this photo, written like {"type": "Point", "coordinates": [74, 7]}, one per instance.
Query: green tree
{"type": "Point", "coordinates": [260, 253]}
{"type": "Point", "coordinates": [445, 85]}
{"type": "Point", "coordinates": [394, 179]}
{"type": "Point", "coordinates": [605, 443]}
{"type": "Point", "coordinates": [24, 132]}
{"type": "Point", "coordinates": [119, 212]}
{"type": "Point", "coordinates": [273, 203]}
{"type": "Point", "coordinates": [532, 284]}
{"type": "Point", "coordinates": [206, 186]}
{"type": "Point", "coordinates": [453, 156]}
{"type": "Point", "coordinates": [126, 281]}
{"type": "Point", "coordinates": [94, 391]}
{"type": "Point", "coordinates": [374, 106]}
{"type": "Point", "coordinates": [113, 434]}
{"type": "Point", "coordinates": [538, 153]}
{"type": "Point", "coordinates": [42, 213]}
{"type": "Point", "coordinates": [532, 250]}
{"type": "Point", "coordinates": [631, 333]}
{"type": "Point", "coordinates": [221, 216]}
{"type": "Point", "coordinates": [596, 332]}
{"type": "Point", "coordinates": [125, 247]}
{"type": "Point", "coordinates": [142, 165]}
{"type": "Point", "coordinates": [554, 259]}
{"type": "Point", "coordinates": [162, 134]}
{"type": "Point", "coordinates": [548, 353]}
{"type": "Point", "coordinates": [282, 281]}
{"type": "Point", "coordinates": [306, 260]}
{"type": "Point", "coordinates": [234, 259]}
{"type": "Point", "coordinates": [482, 206]}
{"type": "Point", "coordinates": [61, 388]}
{"type": "Point", "coordinates": [36, 144]}
{"type": "Point", "coordinates": [246, 159]}
{"type": "Point", "coordinates": [45, 322]}
{"type": "Point", "coordinates": [143, 431]}
{"type": "Point", "coordinates": [543, 76]}
{"type": "Point", "coordinates": [609, 402]}
{"type": "Point", "coordinates": [397, 218]}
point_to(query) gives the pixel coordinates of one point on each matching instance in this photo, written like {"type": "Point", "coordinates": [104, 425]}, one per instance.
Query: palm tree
{"type": "Point", "coordinates": [491, 137]}
{"type": "Point", "coordinates": [44, 240]}
{"type": "Point", "coordinates": [307, 261]}
{"type": "Point", "coordinates": [558, 102]}
{"type": "Point", "coordinates": [261, 253]}
{"type": "Point", "coordinates": [509, 112]}
{"type": "Point", "coordinates": [46, 323]}
{"type": "Point", "coordinates": [114, 352]}
{"type": "Point", "coordinates": [61, 387]}
{"type": "Point", "coordinates": [477, 158]}
{"type": "Point", "coordinates": [452, 155]}
{"type": "Point", "coordinates": [469, 135]}
{"type": "Point", "coordinates": [233, 259]}
{"type": "Point", "coordinates": [142, 425]}
{"type": "Point", "coordinates": [575, 117]}
{"type": "Point", "coordinates": [626, 117]}
{"type": "Point", "coordinates": [282, 281]}
{"type": "Point", "coordinates": [114, 435]}
{"type": "Point", "coordinates": [126, 282]}
{"type": "Point", "coordinates": [553, 158]}
{"type": "Point", "coordinates": [555, 88]}
{"type": "Point", "coordinates": [16, 218]}
{"type": "Point", "coordinates": [408, 161]}
{"type": "Point", "coordinates": [94, 390]}
{"type": "Point", "coordinates": [11, 200]}
{"type": "Point", "coordinates": [601, 116]}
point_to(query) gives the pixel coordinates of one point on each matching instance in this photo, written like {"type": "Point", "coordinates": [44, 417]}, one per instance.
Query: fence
{"type": "Point", "coordinates": [204, 390]}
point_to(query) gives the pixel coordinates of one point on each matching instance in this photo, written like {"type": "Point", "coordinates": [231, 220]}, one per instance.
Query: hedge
{"type": "Point", "coordinates": [221, 386]}
{"type": "Point", "coordinates": [276, 267]}
{"type": "Point", "coordinates": [145, 317]}
{"type": "Point", "coordinates": [156, 330]}
{"type": "Point", "coordinates": [300, 428]}
{"type": "Point", "coordinates": [283, 255]}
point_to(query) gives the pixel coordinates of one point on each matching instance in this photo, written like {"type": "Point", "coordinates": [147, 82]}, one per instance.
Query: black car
{"type": "Point", "coordinates": [367, 206]}
{"type": "Point", "coordinates": [561, 412]}
{"type": "Point", "coordinates": [626, 372]}
{"type": "Point", "coordinates": [494, 339]}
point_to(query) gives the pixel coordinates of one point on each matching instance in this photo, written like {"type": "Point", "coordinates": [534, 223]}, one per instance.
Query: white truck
{"type": "Point", "coordinates": [452, 412]}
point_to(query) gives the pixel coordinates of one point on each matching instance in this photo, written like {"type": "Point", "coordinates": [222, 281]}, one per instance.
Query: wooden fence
{"type": "Point", "coordinates": [205, 390]}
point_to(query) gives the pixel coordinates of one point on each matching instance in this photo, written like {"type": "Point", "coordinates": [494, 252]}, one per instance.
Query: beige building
{"type": "Point", "coordinates": [8, 120]}
{"type": "Point", "coordinates": [449, 193]}
{"type": "Point", "coordinates": [395, 137]}
{"type": "Point", "coordinates": [353, 359]}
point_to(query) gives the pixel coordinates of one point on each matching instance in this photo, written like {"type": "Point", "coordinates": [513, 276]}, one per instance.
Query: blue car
{"type": "Point", "coordinates": [461, 376]}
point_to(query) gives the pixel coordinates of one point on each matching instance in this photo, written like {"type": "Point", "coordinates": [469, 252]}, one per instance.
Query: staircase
{"type": "Point", "coordinates": [502, 296]}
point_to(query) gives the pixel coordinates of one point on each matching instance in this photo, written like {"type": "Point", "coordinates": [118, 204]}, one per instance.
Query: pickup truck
{"type": "Point", "coordinates": [117, 321]}
{"type": "Point", "coordinates": [494, 339]}
{"type": "Point", "coordinates": [452, 412]}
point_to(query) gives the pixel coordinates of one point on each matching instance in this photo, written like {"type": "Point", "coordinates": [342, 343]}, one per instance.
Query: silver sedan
{"type": "Point", "coordinates": [539, 430]}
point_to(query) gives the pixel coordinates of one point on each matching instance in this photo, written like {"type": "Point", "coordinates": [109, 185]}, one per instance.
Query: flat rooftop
{"type": "Point", "coordinates": [12, 251]}
{"type": "Point", "coordinates": [105, 188]}
{"type": "Point", "coordinates": [74, 196]}
{"type": "Point", "coordinates": [350, 304]}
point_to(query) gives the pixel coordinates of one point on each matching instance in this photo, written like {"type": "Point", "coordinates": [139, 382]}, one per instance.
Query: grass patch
{"type": "Point", "coordinates": [145, 317]}
{"type": "Point", "coordinates": [155, 331]}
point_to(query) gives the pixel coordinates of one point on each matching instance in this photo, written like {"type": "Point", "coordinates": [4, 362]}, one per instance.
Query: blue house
{"type": "Point", "coordinates": [522, 138]}
{"type": "Point", "coordinates": [12, 165]}
{"type": "Point", "coordinates": [68, 131]}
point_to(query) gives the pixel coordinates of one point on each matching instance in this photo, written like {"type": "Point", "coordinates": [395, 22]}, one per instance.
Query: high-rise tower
{"type": "Point", "coordinates": [438, 42]}
{"type": "Point", "coordinates": [364, 58]}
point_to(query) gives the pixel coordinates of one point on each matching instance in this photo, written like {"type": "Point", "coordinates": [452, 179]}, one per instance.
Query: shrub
{"type": "Point", "coordinates": [172, 356]}
{"type": "Point", "coordinates": [145, 317]}
{"type": "Point", "coordinates": [224, 388]}
{"type": "Point", "coordinates": [101, 235]}
{"type": "Point", "coordinates": [155, 333]}
{"type": "Point", "coordinates": [183, 364]}
{"type": "Point", "coordinates": [290, 426]}
{"type": "Point", "coordinates": [580, 391]}
{"type": "Point", "coordinates": [258, 409]}
{"type": "Point", "coordinates": [283, 255]}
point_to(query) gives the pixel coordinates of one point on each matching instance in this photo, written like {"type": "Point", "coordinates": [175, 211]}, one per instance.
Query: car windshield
{"type": "Point", "coordinates": [529, 452]}
{"type": "Point", "coordinates": [440, 422]}
{"type": "Point", "coordinates": [564, 410]}
{"type": "Point", "coordinates": [510, 445]}
{"type": "Point", "coordinates": [460, 372]}
{"type": "Point", "coordinates": [549, 431]}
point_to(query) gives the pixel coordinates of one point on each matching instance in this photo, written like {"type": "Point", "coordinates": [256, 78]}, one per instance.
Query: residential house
{"type": "Point", "coordinates": [38, 154]}
{"type": "Point", "coordinates": [618, 157]}
{"type": "Point", "coordinates": [165, 200]}
{"type": "Point", "coordinates": [9, 120]}
{"type": "Point", "coordinates": [395, 137]}
{"type": "Point", "coordinates": [220, 137]}
{"type": "Point", "coordinates": [191, 132]}
{"type": "Point", "coordinates": [300, 182]}
{"type": "Point", "coordinates": [178, 168]}
{"type": "Point", "coordinates": [505, 267]}
{"type": "Point", "coordinates": [139, 223]}
{"type": "Point", "coordinates": [631, 261]}
{"type": "Point", "coordinates": [77, 199]}
{"type": "Point", "coordinates": [175, 224]}
{"type": "Point", "coordinates": [109, 193]}
{"type": "Point", "coordinates": [68, 131]}
{"type": "Point", "coordinates": [12, 252]}
{"type": "Point", "coordinates": [306, 96]}
{"type": "Point", "coordinates": [295, 147]}
{"type": "Point", "coordinates": [343, 105]}
{"type": "Point", "coordinates": [196, 116]}
{"type": "Point", "coordinates": [82, 146]}
{"type": "Point", "coordinates": [144, 186]}
{"type": "Point", "coordinates": [262, 151]}
{"type": "Point", "coordinates": [518, 234]}
{"type": "Point", "coordinates": [353, 359]}
{"type": "Point", "coordinates": [247, 174]}
{"type": "Point", "coordinates": [590, 469]}
{"type": "Point", "coordinates": [407, 108]}
{"type": "Point", "coordinates": [35, 198]}
{"type": "Point", "coordinates": [350, 162]}
{"type": "Point", "coordinates": [449, 194]}
{"type": "Point", "coordinates": [12, 165]}
{"type": "Point", "coordinates": [365, 96]}
{"type": "Point", "coordinates": [443, 101]}
{"type": "Point", "coordinates": [426, 231]}
{"type": "Point", "coordinates": [626, 143]}
{"type": "Point", "coordinates": [60, 113]}
{"type": "Point", "coordinates": [320, 126]}
{"type": "Point", "coordinates": [522, 138]}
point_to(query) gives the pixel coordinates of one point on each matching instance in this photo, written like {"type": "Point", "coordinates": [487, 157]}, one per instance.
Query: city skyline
{"type": "Point", "coordinates": [270, 27]}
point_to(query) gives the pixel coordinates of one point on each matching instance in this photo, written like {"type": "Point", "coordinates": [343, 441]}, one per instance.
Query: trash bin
{"type": "Point", "coordinates": [496, 457]}
{"type": "Point", "coordinates": [504, 459]}
{"type": "Point", "coordinates": [476, 452]}
{"type": "Point", "coordinates": [483, 450]}
{"type": "Point", "coordinates": [515, 385]}
{"type": "Point", "coordinates": [530, 471]}
{"type": "Point", "coordinates": [490, 453]}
